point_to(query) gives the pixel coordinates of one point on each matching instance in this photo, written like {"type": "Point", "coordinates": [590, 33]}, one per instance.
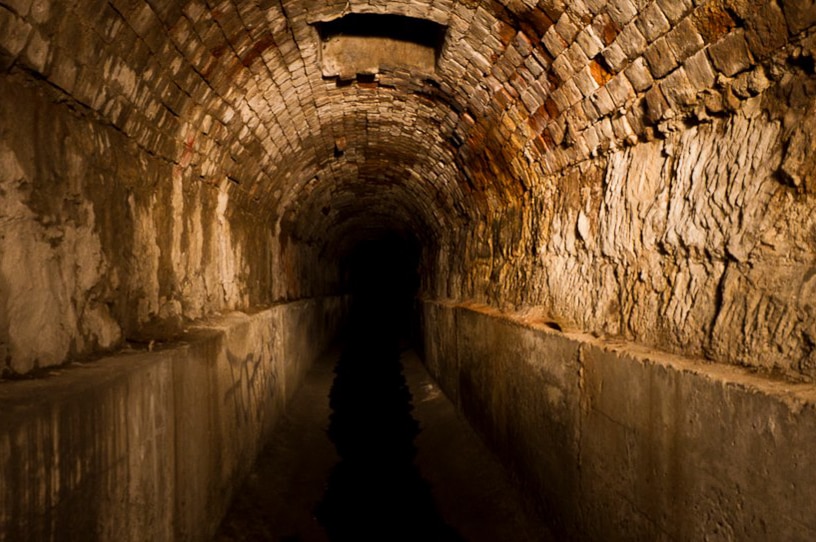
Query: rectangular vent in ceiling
{"type": "Point", "coordinates": [363, 43]}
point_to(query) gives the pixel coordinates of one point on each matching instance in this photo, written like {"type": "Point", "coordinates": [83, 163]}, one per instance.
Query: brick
{"type": "Point", "coordinates": [14, 33]}
{"type": "Point", "coordinates": [596, 6]}
{"type": "Point", "coordinates": [684, 40]}
{"type": "Point", "coordinates": [631, 42]}
{"type": "Point", "coordinates": [660, 58]}
{"type": "Point", "coordinates": [590, 42]}
{"type": "Point", "coordinates": [656, 105]}
{"type": "Point", "coordinates": [677, 89]}
{"type": "Point", "coordinates": [36, 52]}
{"type": "Point", "coordinates": [576, 57]}
{"type": "Point", "coordinates": [674, 10]}
{"type": "Point", "coordinates": [621, 90]}
{"type": "Point", "coordinates": [585, 81]}
{"type": "Point", "coordinates": [639, 75]}
{"type": "Point", "coordinates": [554, 43]}
{"type": "Point", "coordinates": [730, 55]}
{"type": "Point", "coordinates": [699, 71]}
{"type": "Point", "coordinates": [653, 23]}
{"type": "Point", "coordinates": [562, 67]}
{"type": "Point", "coordinates": [615, 57]}
{"type": "Point", "coordinates": [571, 92]}
{"type": "Point", "coordinates": [800, 14]}
{"type": "Point", "coordinates": [534, 66]}
{"type": "Point", "coordinates": [622, 11]}
{"type": "Point", "coordinates": [606, 29]}
{"type": "Point", "coordinates": [602, 101]}
{"type": "Point", "coordinates": [567, 28]}
{"type": "Point", "coordinates": [623, 131]}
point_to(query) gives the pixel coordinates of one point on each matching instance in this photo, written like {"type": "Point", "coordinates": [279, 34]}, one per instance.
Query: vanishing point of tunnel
{"type": "Point", "coordinates": [407, 270]}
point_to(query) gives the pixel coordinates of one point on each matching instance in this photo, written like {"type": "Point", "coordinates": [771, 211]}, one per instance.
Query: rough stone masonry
{"type": "Point", "coordinates": [638, 175]}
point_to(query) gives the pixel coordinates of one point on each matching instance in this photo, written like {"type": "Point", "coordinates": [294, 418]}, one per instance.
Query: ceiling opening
{"type": "Point", "coordinates": [364, 43]}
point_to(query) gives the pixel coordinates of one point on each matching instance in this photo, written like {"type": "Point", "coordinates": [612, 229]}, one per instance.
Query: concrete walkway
{"type": "Point", "coordinates": [472, 496]}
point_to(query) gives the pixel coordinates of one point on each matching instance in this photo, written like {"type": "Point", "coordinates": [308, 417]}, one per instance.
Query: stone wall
{"type": "Point", "coordinates": [698, 242]}
{"type": "Point", "coordinates": [618, 442]}
{"type": "Point", "coordinates": [101, 241]}
{"type": "Point", "coordinates": [151, 445]}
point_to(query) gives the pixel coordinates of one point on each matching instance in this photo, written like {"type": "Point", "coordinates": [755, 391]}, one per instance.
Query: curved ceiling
{"type": "Point", "coordinates": [234, 90]}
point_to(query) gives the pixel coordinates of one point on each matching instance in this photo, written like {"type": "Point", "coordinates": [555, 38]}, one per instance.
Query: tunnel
{"type": "Point", "coordinates": [590, 223]}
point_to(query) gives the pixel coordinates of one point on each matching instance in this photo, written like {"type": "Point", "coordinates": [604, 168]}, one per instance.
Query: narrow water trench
{"type": "Point", "coordinates": [369, 448]}
{"type": "Point", "coordinates": [376, 492]}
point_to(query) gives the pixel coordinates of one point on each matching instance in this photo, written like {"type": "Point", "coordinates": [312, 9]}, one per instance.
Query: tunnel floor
{"type": "Point", "coordinates": [370, 449]}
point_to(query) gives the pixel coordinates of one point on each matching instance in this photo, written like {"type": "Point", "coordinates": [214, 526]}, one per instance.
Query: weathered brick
{"type": "Point", "coordinates": [699, 71]}
{"type": "Point", "coordinates": [631, 41]}
{"type": "Point", "coordinates": [639, 75]}
{"type": "Point", "coordinates": [675, 9]}
{"type": "Point", "coordinates": [622, 11]}
{"type": "Point", "coordinates": [730, 55]}
{"type": "Point", "coordinates": [660, 58]}
{"type": "Point", "coordinates": [615, 57]}
{"type": "Point", "coordinates": [800, 14]}
{"type": "Point", "coordinates": [602, 101]}
{"type": "Point", "coordinates": [36, 52]}
{"type": "Point", "coordinates": [590, 42]}
{"type": "Point", "coordinates": [554, 43]}
{"type": "Point", "coordinates": [652, 22]}
{"type": "Point", "coordinates": [620, 89]}
{"type": "Point", "coordinates": [677, 89]}
{"type": "Point", "coordinates": [684, 40]}
{"type": "Point", "coordinates": [567, 28]}
{"type": "Point", "coordinates": [14, 33]}
{"type": "Point", "coordinates": [585, 82]}
{"type": "Point", "coordinates": [656, 105]}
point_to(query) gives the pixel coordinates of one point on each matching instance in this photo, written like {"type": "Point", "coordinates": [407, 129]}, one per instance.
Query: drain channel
{"type": "Point", "coordinates": [376, 492]}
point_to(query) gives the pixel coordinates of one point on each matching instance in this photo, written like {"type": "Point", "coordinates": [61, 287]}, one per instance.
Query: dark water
{"type": "Point", "coordinates": [376, 492]}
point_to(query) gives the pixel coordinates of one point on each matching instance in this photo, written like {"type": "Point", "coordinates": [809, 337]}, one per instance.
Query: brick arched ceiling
{"type": "Point", "coordinates": [232, 91]}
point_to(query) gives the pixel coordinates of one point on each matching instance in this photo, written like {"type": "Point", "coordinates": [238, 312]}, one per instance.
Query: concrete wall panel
{"type": "Point", "coordinates": [151, 445]}
{"type": "Point", "coordinates": [619, 442]}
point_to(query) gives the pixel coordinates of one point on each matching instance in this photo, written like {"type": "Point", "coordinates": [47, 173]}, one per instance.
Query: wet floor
{"type": "Point", "coordinates": [370, 450]}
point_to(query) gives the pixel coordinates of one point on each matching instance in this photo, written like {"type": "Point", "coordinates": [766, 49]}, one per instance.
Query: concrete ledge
{"type": "Point", "coordinates": [617, 442]}
{"type": "Point", "coordinates": [150, 446]}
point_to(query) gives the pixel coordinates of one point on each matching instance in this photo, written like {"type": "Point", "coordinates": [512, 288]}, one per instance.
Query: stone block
{"type": "Point", "coordinates": [14, 33]}
{"type": "Point", "coordinates": [699, 71]}
{"type": "Point", "coordinates": [674, 10]}
{"type": "Point", "coordinates": [36, 52]}
{"type": "Point", "coordinates": [620, 89]}
{"type": "Point", "coordinates": [656, 105]}
{"type": "Point", "coordinates": [576, 57]}
{"type": "Point", "coordinates": [766, 29]}
{"type": "Point", "coordinates": [590, 42]}
{"type": "Point", "coordinates": [553, 41]}
{"type": "Point", "coordinates": [684, 40]}
{"type": "Point", "coordinates": [631, 41]}
{"type": "Point", "coordinates": [585, 81]}
{"type": "Point", "coordinates": [622, 11]}
{"type": "Point", "coordinates": [562, 68]}
{"type": "Point", "coordinates": [800, 14]}
{"type": "Point", "coordinates": [677, 89]}
{"type": "Point", "coordinates": [731, 55]}
{"type": "Point", "coordinates": [652, 22]}
{"type": "Point", "coordinates": [567, 28]}
{"type": "Point", "coordinates": [639, 75]}
{"type": "Point", "coordinates": [615, 57]}
{"type": "Point", "coordinates": [571, 92]}
{"type": "Point", "coordinates": [606, 29]}
{"type": "Point", "coordinates": [602, 101]}
{"type": "Point", "coordinates": [660, 58]}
